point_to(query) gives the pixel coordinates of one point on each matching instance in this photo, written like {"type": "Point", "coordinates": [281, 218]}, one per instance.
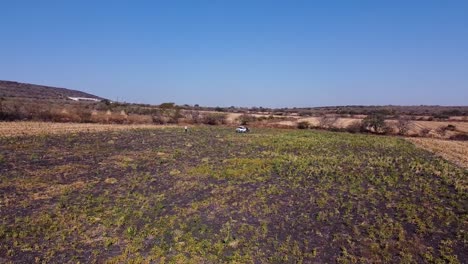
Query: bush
{"type": "Point", "coordinates": [327, 121]}
{"type": "Point", "coordinates": [403, 125]}
{"type": "Point", "coordinates": [451, 127]}
{"type": "Point", "coordinates": [167, 105]}
{"type": "Point", "coordinates": [354, 127]}
{"type": "Point", "coordinates": [117, 119]}
{"type": "Point", "coordinates": [214, 119]}
{"type": "Point", "coordinates": [460, 136]}
{"type": "Point", "coordinates": [441, 131]}
{"type": "Point", "coordinates": [388, 130]}
{"type": "Point", "coordinates": [158, 119]}
{"type": "Point", "coordinates": [193, 117]}
{"type": "Point", "coordinates": [441, 116]}
{"type": "Point", "coordinates": [303, 125]}
{"type": "Point", "coordinates": [245, 119]}
{"type": "Point", "coordinates": [424, 132]}
{"type": "Point", "coordinates": [84, 115]}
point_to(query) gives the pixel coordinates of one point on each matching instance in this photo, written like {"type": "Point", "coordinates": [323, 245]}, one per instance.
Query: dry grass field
{"type": "Point", "coordinates": [36, 128]}
{"type": "Point", "coordinates": [455, 151]}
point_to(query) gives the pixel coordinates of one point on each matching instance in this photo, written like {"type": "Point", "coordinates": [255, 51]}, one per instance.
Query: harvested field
{"type": "Point", "coordinates": [455, 151]}
{"type": "Point", "coordinates": [214, 196]}
{"type": "Point", "coordinates": [35, 128]}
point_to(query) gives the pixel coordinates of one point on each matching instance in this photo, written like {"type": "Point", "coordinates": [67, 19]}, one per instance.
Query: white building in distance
{"type": "Point", "coordinates": [84, 99]}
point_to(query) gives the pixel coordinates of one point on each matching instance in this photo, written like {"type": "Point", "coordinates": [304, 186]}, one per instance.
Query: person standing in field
{"type": "Point", "coordinates": [186, 129]}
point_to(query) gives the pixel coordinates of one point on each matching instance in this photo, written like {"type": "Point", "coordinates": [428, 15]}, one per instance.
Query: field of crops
{"type": "Point", "coordinates": [214, 196]}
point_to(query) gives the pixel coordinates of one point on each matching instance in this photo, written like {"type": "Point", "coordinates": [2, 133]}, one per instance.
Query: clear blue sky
{"type": "Point", "coordinates": [243, 53]}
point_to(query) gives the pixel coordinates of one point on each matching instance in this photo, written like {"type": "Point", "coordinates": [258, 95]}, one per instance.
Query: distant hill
{"type": "Point", "coordinates": [9, 89]}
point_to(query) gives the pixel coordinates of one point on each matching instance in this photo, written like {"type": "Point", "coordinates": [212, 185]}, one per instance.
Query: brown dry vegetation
{"type": "Point", "coordinates": [455, 151]}
{"type": "Point", "coordinates": [35, 128]}
{"type": "Point", "coordinates": [40, 103]}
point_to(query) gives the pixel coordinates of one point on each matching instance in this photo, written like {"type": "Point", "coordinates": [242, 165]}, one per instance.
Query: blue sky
{"type": "Point", "coordinates": [242, 53]}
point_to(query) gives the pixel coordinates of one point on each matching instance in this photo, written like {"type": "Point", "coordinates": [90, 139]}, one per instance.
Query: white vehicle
{"type": "Point", "coordinates": [242, 129]}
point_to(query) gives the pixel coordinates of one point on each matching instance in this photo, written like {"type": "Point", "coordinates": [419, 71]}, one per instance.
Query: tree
{"type": "Point", "coordinates": [374, 122]}
{"type": "Point", "coordinates": [167, 105]}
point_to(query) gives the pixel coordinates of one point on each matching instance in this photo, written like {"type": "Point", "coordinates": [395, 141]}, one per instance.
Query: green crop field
{"type": "Point", "coordinates": [214, 196]}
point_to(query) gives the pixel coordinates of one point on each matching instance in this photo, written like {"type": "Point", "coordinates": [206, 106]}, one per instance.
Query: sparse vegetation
{"type": "Point", "coordinates": [355, 127]}
{"type": "Point", "coordinates": [213, 196]}
{"type": "Point", "coordinates": [403, 125]}
{"type": "Point", "coordinates": [327, 122]}
{"type": "Point", "coordinates": [246, 119]}
{"type": "Point", "coordinates": [27, 102]}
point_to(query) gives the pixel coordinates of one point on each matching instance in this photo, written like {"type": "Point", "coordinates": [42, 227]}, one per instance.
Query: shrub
{"type": "Point", "coordinates": [305, 113]}
{"type": "Point", "coordinates": [403, 125]}
{"type": "Point", "coordinates": [84, 115]}
{"type": "Point", "coordinates": [214, 119]}
{"type": "Point", "coordinates": [441, 116]}
{"type": "Point", "coordinates": [173, 116]}
{"type": "Point", "coordinates": [460, 136]}
{"type": "Point", "coordinates": [139, 119]}
{"type": "Point", "coordinates": [117, 119]}
{"type": "Point", "coordinates": [327, 121]}
{"type": "Point", "coordinates": [354, 127]}
{"type": "Point", "coordinates": [158, 119]}
{"type": "Point", "coordinates": [424, 132]}
{"type": "Point", "coordinates": [387, 130]}
{"type": "Point", "coordinates": [167, 105]}
{"type": "Point", "coordinates": [303, 125]}
{"type": "Point", "coordinates": [451, 127]}
{"type": "Point", "coordinates": [193, 117]}
{"type": "Point", "coordinates": [374, 123]}
{"type": "Point", "coordinates": [245, 119]}
{"type": "Point", "coordinates": [441, 131]}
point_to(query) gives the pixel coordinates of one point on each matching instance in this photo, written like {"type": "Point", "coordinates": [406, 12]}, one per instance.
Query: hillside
{"type": "Point", "coordinates": [9, 89]}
